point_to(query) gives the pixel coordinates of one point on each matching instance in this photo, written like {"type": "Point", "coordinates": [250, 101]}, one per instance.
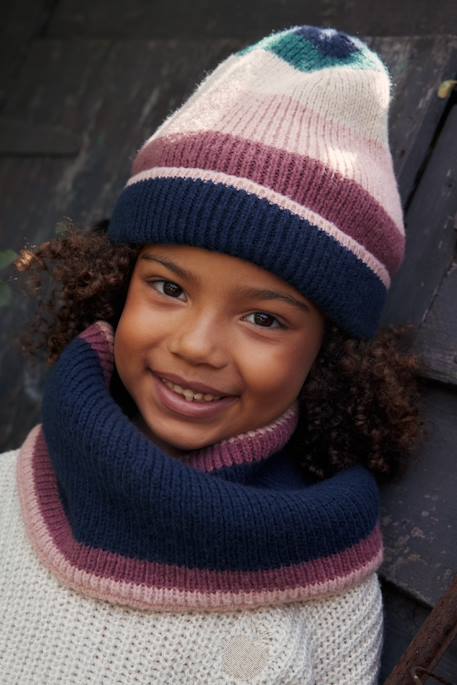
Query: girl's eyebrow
{"type": "Point", "coordinates": [171, 265]}
{"type": "Point", "coordinates": [259, 293]}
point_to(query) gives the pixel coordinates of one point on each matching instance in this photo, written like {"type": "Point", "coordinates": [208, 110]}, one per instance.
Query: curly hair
{"type": "Point", "coordinates": [360, 403]}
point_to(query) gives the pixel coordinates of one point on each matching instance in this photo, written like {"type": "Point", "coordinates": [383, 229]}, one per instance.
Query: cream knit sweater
{"type": "Point", "coordinates": [52, 635]}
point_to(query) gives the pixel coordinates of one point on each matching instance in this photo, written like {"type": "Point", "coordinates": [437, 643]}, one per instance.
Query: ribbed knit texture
{"type": "Point", "coordinates": [53, 635]}
{"type": "Point", "coordinates": [281, 157]}
{"type": "Point", "coordinates": [235, 526]}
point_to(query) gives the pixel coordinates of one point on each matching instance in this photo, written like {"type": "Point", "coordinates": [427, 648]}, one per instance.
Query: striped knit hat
{"type": "Point", "coordinates": [281, 157]}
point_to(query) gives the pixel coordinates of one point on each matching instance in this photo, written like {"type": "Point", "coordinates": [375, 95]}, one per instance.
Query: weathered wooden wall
{"type": "Point", "coordinates": [81, 86]}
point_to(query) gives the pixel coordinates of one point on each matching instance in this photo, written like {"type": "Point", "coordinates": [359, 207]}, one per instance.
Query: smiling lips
{"type": "Point", "coordinates": [189, 394]}
{"type": "Point", "coordinates": [191, 408]}
{"type": "Point", "coordinates": [194, 386]}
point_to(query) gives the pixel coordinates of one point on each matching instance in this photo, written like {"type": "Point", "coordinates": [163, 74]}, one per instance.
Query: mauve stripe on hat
{"type": "Point", "coordinates": [304, 180]}
{"type": "Point", "coordinates": [302, 114]}
{"type": "Point", "coordinates": [294, 134]}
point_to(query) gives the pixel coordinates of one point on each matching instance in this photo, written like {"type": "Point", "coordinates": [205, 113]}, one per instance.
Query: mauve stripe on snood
{"type": "Point", "coordinates": [69, 557]}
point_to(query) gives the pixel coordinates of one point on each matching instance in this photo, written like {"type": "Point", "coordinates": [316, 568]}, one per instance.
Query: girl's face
{"type": "Point", "coordinates": [214, 319]}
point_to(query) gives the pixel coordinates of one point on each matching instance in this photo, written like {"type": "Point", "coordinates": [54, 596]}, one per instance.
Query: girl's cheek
{"type": "Point", "coordinates": [141, 316]}
{"type": "Point", "coordinates": [266, 367]}
{"type": "Point", "coordinates": [289, 367]}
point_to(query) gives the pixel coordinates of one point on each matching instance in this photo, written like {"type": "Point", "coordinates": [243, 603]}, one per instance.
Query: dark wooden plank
{"type": "Point", "coordinates": [59, 84]}
{"type": "Point", "coordinates": [236, 19]}
{"type": "Point", "coordinates": [56, 89]}
{"type": "Point", "coordinates": [419, 511]}
{"type": "Point", "coordinates": [24, 18]}
{"type": "Point", "coordinates": [18, 138]}
{"type": "Point", "coordinates": [437, 338]}
{"type": "Point", "coordinates": [21, 385]}
{"type": "Point", "coordinates": [21, 21]}
{"type": "Point", "coordinates": [27, 216]}
{"type": "Point", "coordinates": [12, 56]}
{"type": "Point", "coordinates": [417, 68]}
{"type": "Point", "coordinates": [431, 234]}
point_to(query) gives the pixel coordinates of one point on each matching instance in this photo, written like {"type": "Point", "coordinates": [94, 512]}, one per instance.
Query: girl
{"type": "Point", "coordinates": [200, 502]}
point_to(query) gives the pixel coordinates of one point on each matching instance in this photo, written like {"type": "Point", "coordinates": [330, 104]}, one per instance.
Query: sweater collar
{"type": "Point", "coordinates": [233, 525]}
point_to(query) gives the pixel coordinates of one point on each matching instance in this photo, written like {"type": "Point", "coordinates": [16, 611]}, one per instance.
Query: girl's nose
{"type": "Point", "coordinates": [198, 340]}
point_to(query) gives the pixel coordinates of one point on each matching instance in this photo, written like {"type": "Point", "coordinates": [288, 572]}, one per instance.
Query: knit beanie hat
{"type": "Point", "coordinates": [281, 157]}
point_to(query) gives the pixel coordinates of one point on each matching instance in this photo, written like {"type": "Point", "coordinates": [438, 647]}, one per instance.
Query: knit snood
{"type": "Point", "coordinates": [234, 525]}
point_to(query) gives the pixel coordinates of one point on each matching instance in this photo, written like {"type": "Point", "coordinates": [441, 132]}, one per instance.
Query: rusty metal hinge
{"type": "Point", "coordinates": [434, 637]}
{"type": "Point", "coordinates": [417, 672]}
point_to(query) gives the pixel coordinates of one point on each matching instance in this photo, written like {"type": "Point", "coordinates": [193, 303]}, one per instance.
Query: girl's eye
{"type": "Point", "coordinates": [170, 288]}
{"type": "Point", "coordinates": [263, 317]}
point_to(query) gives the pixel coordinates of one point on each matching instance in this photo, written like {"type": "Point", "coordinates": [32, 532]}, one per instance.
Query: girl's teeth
{"type": "Point", "coordinates": [188, 394]}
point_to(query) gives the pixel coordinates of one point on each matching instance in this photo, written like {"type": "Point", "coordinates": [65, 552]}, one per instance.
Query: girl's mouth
{"type": "Point", "coordinates": [178, 404]}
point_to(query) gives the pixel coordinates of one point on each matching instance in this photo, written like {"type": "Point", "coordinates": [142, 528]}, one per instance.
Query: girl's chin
{"type": "Point", "coordinates": [172, 448]}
